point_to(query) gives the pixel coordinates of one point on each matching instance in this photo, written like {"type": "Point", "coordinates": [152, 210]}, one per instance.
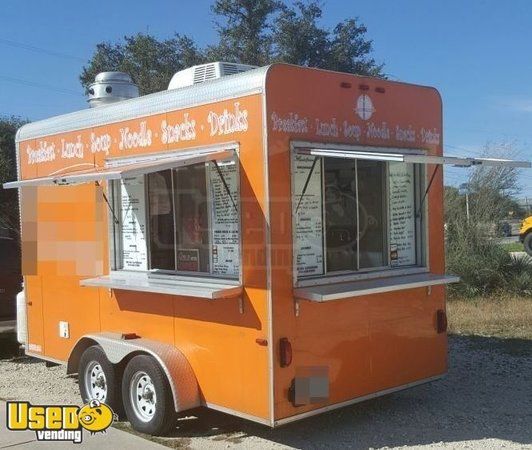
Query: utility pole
{"type": "Point", "coordinates": [467, 206]}
{"type": "Point", "coordinates": [464, 189]}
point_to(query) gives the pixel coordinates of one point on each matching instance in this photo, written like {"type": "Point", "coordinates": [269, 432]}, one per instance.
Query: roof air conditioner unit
{"type": "Point", "coordinates": [205, 72]}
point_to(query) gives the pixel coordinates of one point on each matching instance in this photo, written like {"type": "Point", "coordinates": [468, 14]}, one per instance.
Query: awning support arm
{"type": "Point", "coordinates": [115, 220]}
{"type": "Point", "coordinates": [307, 182]}
{"type": "Point", "coordinates": [418, 212]}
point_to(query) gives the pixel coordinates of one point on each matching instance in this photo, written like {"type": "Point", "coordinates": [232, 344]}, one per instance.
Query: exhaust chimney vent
{"type": "Point", "coordinates": [111, 87]}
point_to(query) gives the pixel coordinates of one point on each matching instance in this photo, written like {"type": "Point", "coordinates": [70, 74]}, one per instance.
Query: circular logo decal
{"type": "Point", "coordinates": [364, 107]}
{"type": "Point", "coordinates": [95, 416]}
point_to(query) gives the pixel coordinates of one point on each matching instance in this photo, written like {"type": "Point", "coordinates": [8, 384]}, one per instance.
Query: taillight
{"type": "Point", "coordinates": [441, 321]}
{"type": "Point", "coordinates": [285, 352]}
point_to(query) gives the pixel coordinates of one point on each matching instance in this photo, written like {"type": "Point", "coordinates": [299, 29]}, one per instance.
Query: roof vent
{"type": "Point", "coordinates": [206, 72]}
{"type": "Point", "coordinates": [111, 87]}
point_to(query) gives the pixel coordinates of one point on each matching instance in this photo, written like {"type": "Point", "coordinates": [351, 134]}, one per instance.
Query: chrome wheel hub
{"type": "Point", "coordinates": [95, 382]}
{"type": "Point", "coordinates": [143, 396]}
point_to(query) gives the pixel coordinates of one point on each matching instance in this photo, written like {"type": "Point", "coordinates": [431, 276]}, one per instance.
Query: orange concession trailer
{"type": "Point", "coordinates": [268, 243]}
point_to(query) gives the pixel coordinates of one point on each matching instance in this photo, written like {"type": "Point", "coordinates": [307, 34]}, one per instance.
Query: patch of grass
{"type": "Point", "coordinates": [513, 247]}
{"type": "Point", "coordinates": [501, 316]}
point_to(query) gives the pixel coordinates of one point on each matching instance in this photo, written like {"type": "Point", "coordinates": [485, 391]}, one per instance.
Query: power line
{"type": "Point", "coordinates": [33, 48]}
{"type": "Point", "coordinates": [491, 130]}
{"type": "Point", "coordinates": [475, 152]}
{"type": "Point", "coordinates": [39, 85]}
{"type": "Point", "coordinates": [486, 152]}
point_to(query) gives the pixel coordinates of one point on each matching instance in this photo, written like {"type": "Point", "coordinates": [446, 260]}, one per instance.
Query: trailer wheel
{"type": "Point", "coordinates": [148, 400]}
{"type": "Point", "coordinates": [527, 243]}
{"type": "Point", "coordinates": [99, 379]}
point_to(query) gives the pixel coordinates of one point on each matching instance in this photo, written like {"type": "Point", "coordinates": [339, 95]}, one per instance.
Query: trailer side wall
{"type": "Point", "coordinates": [368, 343]}
{"type": "Point", "coordinates": [65, 239]}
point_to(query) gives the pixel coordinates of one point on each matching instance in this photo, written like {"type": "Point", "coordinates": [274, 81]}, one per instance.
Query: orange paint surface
{"type": "Point", "coordinates": [70, 224]}
{"type": "Point", "coordinates": [368, 343]}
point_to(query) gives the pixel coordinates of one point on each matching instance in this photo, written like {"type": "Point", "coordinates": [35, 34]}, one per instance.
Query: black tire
{"type": "Point", "coordinates": [113, 397]}
{"type": "Point", "coordinates": [527, 243]}
{"type": "Point", "coordinates": [160, 417]}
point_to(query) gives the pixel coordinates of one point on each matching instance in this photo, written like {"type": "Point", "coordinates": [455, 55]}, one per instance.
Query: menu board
{"type": "Point", "coordinates": [402, 214]}
{"type": "Point", "coordinates": [308, 215]}
{"type": "Point", "coordinates": [133, 214]}
{"type": "Point", "coordinates": [225, 257]}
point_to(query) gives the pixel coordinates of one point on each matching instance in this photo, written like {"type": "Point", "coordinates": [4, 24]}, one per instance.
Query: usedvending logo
{"type": "Point", "coordinates": [59, 422]}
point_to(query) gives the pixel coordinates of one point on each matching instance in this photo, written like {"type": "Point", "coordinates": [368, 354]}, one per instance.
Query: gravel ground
{"type": "Point", "coordinates": [485, 402]}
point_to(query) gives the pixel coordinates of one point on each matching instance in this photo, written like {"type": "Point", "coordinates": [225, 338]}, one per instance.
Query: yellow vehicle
{"type": "Point", "coordinates": [525, 234]}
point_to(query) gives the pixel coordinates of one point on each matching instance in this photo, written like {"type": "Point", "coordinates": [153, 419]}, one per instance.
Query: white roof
{"type": "Point", "coordinates": [232, 86]}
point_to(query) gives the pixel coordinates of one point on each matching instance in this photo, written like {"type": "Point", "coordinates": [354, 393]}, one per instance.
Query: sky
{"type": "Point", "coordinates": [478, 54]}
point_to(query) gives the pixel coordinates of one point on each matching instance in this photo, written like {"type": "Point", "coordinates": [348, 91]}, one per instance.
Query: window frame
{"type": "Point", "coordinates": [421, 222]}
{"type": "Point", "coordinates": [115, 242]}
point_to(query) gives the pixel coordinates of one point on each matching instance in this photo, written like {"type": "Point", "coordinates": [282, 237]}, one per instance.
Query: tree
{"type": "Point", "coordinates": [350, 50]}
{"type": "Point", "coordinates": [150, 62]}
{"type": "Point", "coordinates": [9, 212]}
{"type": "Point", "coordinates": [245, 34]}
{"type": "Point", "coordinates": [471, 252]}
{"type": "Point", "coordinates": [491, 190]}
{"type": "Point", "coordinates": [256, 32]}
{"type": "Point", "coordinates": [298, 39]}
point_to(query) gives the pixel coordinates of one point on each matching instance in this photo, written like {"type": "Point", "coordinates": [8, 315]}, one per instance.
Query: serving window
{"type": "Point", "coordinates": [181, 220]}
{"type": "Point", "coordinates": [355, 215]}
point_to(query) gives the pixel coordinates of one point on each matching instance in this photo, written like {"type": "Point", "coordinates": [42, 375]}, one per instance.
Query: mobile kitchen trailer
{"type": "Point", "coordinates": [268, 244]}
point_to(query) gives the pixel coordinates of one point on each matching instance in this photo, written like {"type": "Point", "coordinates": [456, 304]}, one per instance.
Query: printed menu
{"type": "Point", "coordinates": [133, 214]}
{"type": "Point", "coordinates": [308, 215]}
{"type": "Point", "coordinates": [402, 214]}
{"type": "Point", "coordinates": [224, 219]}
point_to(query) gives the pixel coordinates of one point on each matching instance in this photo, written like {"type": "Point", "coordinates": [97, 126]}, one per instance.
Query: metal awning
{"type": "Point", "coordinates": [119, 169]}
{"type": "Point", "coordinates": [210, 289]}
{"type": "Point", "coordinates": [396, 155]}
{"type": "Point", "coordinates": [343, 290]}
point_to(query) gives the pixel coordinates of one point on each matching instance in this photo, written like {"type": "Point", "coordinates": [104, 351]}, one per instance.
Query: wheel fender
{"type": "Point", "coordinates": [181, 377]}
